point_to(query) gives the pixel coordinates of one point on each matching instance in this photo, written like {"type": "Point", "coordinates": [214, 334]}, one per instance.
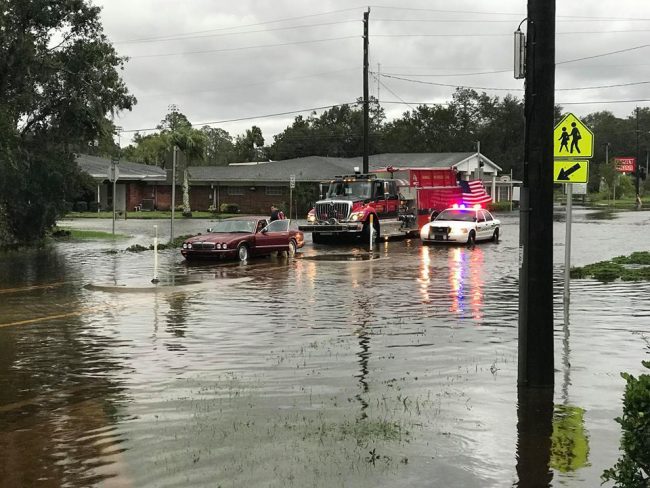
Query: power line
{"type": "Point", "coordinates": [515, 89]}
{"type": "Point", "coordinates": [278, 114]}
{"type": "Point", "coordinates": [387, 88]}
{"type": "Point", "coordinates": [604, 54]}
{"type": "Point", "coordinates": [518, 14]}
{"type": "Point", "coordinates": [449, 85]}
{"type": "Point", "coordinates": [509, 34]}
{"type": "Point", "coordinates": [245, 25]}
{"type": "Point", "coordinates": [201, 36]}
{"type": "Point", "coordinates": [210, 51]}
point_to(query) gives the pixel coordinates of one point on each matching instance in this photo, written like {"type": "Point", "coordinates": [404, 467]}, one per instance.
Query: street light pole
{"type": "Point", "coordinates": [171, 237]}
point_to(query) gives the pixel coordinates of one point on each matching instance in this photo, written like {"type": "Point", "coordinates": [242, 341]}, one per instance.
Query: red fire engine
{"type": "Point", "coordinates": [400, 202]}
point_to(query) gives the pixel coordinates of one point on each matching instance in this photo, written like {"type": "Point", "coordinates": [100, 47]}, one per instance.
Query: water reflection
{"type": "Point", "coordinates": [534, 430]}
{"type": "Point", "coordinates": [466, 281]}
{"type": "Point", "coordinates": [59, 386]}
{"type": "Point", "coordinates": [569, 441]}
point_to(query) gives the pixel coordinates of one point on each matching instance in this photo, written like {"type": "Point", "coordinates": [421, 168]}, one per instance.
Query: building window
{"type": "Point", "coordinates": [274, 190]}
{"type": "Point", "coordinates": [235, 190]}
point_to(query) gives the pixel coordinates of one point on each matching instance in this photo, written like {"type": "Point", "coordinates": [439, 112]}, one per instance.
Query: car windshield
{"type": "Point", "coordinates": [234, 226]}
{"type": "Point", "coordinates": [457, 214]}
{"type": "Point", "coordinates": [360, 189]}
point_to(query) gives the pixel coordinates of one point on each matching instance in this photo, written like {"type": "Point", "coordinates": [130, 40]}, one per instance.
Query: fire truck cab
{"type": "Point", "coordinates": [393, 206]}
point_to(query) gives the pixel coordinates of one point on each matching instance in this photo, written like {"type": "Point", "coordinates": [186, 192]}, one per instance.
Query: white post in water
{"type": "Point", "coordinates": [567, 245]}
{"type": "Point", "coordinates": [155, 255]}
{"type": "Point", "coordinates": [371, 228]}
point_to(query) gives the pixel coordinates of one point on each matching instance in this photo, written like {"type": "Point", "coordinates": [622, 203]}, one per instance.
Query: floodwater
{"type": "Point", "coordinates": [394, 371]}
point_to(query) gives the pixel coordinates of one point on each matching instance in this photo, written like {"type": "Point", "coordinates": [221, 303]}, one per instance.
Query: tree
{"type": "Point", "coordinates": [59, 78]}
{"type": "Point", "coordinates": [248, 146]}
{"type": "Point", "coordinates": [337, 132]}
{"type": "Point", "coordinates": [219, 148]}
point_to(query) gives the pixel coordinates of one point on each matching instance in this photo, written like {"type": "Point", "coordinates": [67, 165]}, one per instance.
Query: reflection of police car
{"type": "Point", "coordinates": [461, 224]}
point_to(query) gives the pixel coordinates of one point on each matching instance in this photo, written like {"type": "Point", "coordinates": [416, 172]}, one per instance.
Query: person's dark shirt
{"type": "Point", "coordinates": [275, 215]}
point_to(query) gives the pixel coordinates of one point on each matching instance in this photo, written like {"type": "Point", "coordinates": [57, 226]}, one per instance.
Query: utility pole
{"type": "Point", "coordinates": [638, 162]}
{"type": "Point", "coordinates": [366, 108]}
{"type": "Point", "coordinates": [536, 367]}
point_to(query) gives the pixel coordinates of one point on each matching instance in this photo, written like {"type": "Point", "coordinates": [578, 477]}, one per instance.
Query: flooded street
{"type": "Point", "coordinates": [320, 370]}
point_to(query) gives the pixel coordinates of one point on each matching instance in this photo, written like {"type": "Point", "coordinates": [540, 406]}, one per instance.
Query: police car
{"type": "Point", "coordinates": [461, 224]}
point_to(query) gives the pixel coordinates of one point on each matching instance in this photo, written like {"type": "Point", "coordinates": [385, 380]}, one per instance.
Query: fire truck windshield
{"type": "Point", "coordinates": [348, 189]}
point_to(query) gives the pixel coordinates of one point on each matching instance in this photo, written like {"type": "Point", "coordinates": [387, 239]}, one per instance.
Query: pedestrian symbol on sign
{"type": "Point", "coordinates": [572, 138]}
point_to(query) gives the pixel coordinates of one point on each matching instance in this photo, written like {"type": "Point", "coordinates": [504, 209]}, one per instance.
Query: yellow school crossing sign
{"type": "Point", "coordinates": [573, 171]}
{"type": "Point", "coordinates": [572, 139]}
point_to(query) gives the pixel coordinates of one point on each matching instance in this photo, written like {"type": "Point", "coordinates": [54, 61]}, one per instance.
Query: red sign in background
{"type": "Point", "coordinates": [625, 165]}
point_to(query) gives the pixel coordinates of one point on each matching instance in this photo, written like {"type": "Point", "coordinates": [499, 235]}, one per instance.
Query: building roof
{"type": "Point", "coordinates": [321, 168]}
{"type": "Point", "coordinates": [98, 168]}
{"type": "Point", "coordinates": [312, 168]}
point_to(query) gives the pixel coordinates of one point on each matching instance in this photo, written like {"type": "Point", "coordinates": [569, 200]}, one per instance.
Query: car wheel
{"type": "Point", "coordinates": [495, 236]}
{"type": "Point", "coordinates": [242, 252]}
{"type": "Point", "coordinates": [292, 248]}
{"type": "Point", "coordinates": [471, 239]}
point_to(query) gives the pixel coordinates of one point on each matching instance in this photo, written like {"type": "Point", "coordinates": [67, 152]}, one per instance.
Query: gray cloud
{"type": "Point", "coordinates": [298, 67]}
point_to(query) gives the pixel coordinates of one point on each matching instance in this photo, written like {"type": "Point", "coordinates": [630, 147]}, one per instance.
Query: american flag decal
{"type": "Point", "coordinates": [474, 192]}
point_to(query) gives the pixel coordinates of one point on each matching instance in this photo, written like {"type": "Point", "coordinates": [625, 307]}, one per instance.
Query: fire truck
{"type": "Point", "coordinates": [397, 201]}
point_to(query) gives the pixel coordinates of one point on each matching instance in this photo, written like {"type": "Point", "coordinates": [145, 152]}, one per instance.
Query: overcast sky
{"type": "Point", "coordinates": [222, 60]}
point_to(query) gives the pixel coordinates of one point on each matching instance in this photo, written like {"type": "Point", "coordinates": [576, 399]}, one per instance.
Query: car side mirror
{"type": "Point", "coordinates": [264, 230]}
{"type": "Point", "coordinates": [209, 229]}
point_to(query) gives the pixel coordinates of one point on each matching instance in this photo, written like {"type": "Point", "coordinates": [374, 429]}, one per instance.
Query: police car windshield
{"type": "Point", "coordinates": [457, 214]}
{"type": "Point", "coordinates": [347, 189]}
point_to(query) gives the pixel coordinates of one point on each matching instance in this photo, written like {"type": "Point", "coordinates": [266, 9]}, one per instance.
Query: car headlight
{"type": "Point", "coordinates": [354, 216]}
{"type": "Point", "coordinates": [224, 246]}
{"type": "Point", "coordinates": [185, 245]}
{"type": "Point", "coordinates": [189, 245]}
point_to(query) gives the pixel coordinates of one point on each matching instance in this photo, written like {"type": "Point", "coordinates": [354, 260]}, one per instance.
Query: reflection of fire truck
{"type": "Point", "coordinates": [400, 202]}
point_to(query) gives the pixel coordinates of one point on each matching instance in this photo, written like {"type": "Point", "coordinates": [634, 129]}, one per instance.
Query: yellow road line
{"type": "Point", "coordinates": [53, 317]}
{"type": "Point", "coordinates": [28, 288]}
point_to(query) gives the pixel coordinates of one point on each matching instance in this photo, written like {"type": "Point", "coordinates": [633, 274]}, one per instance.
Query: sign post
{"type": "Point", "coordinates": [292, 185]}
{"type": "Point", "coordinates": [113, 175]}
{"type": "Point", "coordinates": [573, 146]}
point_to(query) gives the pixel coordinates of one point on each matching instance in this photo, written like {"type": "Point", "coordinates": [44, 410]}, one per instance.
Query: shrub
{"type": "Point", "coordinates": [500, 206]}
{"type": "Point", "coordinates": [80, 206]}
{"type": "Point", "coordinates": [633, 468]}
{"type": "Point", "coordinates": [229, 208]}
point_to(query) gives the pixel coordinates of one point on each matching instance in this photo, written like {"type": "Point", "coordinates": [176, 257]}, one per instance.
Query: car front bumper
{"type": "Point", "coordinates": [428, 235]}
{"type": "Point", "coordinates": [209, 253]}
{"type": "Point", "coordinates": [338, 227]}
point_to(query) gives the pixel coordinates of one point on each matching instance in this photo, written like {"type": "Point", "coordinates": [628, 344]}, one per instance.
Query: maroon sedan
{"type": "Point", "coordinates": [243, 237]}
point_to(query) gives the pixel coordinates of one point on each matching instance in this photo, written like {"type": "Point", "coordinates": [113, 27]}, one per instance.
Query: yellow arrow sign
{"type": "Point", "coordinates": [572, 139]}
{"type": "Point", "coordinates": [571, 171]}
